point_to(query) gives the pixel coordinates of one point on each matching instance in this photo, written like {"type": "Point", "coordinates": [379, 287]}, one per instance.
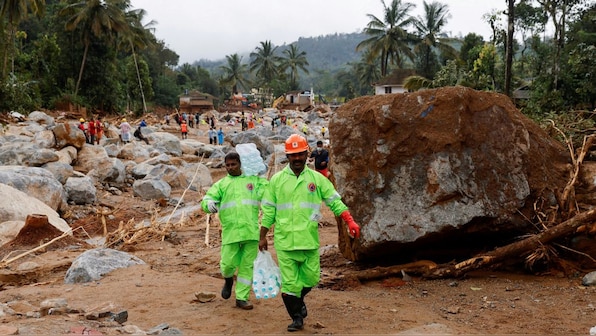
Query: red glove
{"type": "Point", "coordinates": [353, 228]}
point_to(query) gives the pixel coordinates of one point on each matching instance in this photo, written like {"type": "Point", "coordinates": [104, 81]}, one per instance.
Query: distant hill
{"type": "Point", "coordinates": [325, 54]}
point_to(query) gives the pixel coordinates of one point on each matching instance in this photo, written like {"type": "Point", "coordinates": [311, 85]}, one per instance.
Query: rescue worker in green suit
{"type": "Point", "coordinates": [237, 199]}
{"type": "Point", "coordinates": [292, 202]}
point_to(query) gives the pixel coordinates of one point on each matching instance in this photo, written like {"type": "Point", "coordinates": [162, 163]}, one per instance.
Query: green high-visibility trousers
{"type": "Point", "coordinates": [239, 256]}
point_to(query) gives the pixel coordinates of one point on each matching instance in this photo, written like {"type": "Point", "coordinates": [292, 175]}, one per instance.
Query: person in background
{"type": "Point", "coordinates": [143, 123]}
{"type": "Point", "coordinates": [220, 136]}
{"type": "Point", "coordinates": [92, 131]}
{"type": "Point", "coordinates": [139, 135]}
{"type": "Point", "coordinates": [83, 128]}
{"type": "Point", "coordinates": [321, 157]}
{"type": "Point", "coordinates": [99, 129]}
{"type": "Point", "coordinates": [184, 129]}
{"type": "Point", "coordinates": [125, 131]}
{"type": "Point", "coordinates": [323, 131]}
{"type": "Point", "coordinates": [167, 119]}
{"type": "Point", "coordinates": [214, 136]}
{"type": "Point", "coordinates": [305, 129]}
{"type": "Point", "coordinates": [237, 198]}
{"type": "Point", "coordinates": [292, 201]}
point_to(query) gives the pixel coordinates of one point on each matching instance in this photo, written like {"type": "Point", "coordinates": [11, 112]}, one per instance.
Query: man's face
{"type": "Point", "coordinates": [233, 167]}
{"type": "Point", "coordinates": [297, 161]}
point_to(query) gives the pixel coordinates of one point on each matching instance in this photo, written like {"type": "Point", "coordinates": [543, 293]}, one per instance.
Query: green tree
{"type": "Point", "coordinates": [582, 68]}
{"type": "Point", "coordinates": [509, 45]}
{"type": "Point", "coordinates": [368, 71]}
{"type": "Point", "coordinates": [100, 19]}
{"type": "Point", "coordinates": [45, 66]}
{"type": "Point", "coordinates": [14, 11]}
{"type": "Point", "coordinates": [235, 73]}
{"type": "Point", "coordinates": [429, 29]}
{"type": "Point", "coordinates": [468, 52]}
{"type": "Point", "coordinates": [138, 36]}
{"type": "Point", "coordinates": [529, 21]}
{"type": "Point", "coordinates": [484, 68]}
{"type": "Point", "coordinates": [138, 71]}
{"type": "Point", "coordinates": [265, 63]}
{"type": "Point", "coordinates": [293, 61]}
{"type": "Point", "coordinates": [389, 39]}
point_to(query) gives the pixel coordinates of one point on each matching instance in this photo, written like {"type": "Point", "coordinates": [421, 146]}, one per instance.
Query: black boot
{"type": "Point", "coordinates": [294, 307]}
{"type": "Point", "coordinates": [226, 291]}
{"type": "Point", "coordinates": [303, 310]}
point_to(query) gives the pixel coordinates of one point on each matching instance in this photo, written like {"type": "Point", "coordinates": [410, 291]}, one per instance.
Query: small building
{"type": "Point", "coordinates": [301, 100]}
{"type": "Point", "coordinates": [393, 83]}
{"type": "Point", "coordinates": [196, 102]}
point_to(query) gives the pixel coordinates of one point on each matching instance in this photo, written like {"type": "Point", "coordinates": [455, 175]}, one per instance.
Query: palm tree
{"type": "Point", "coordinates": [235, 73]}
{"type": "Point", "coordinates": [139, 36]}
{"type": "Point", "coordinates": [430, 31]}
{"type": "Point", "coordinates": [96, 19]}
{"type": "Point", "coordinates": [294, 61]}
{"type": "Point", "coordinates": [265, 62]}
{"type": "Point", "coordinates": [368, 70]}
{"type": "Point", "coordinates": [14, 11]}
{"type": "Point", "coordinates": [388, 37]}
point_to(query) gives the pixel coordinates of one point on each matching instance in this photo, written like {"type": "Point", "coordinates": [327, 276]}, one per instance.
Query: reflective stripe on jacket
{"type": "Point", "coordinates": [293, 203]}
{"type": "Point", "coordinates": [239, 199]}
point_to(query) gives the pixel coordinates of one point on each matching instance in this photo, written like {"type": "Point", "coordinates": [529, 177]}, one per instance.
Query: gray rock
{"type": "Point", "coordinates": [151, 189]}
{"type": "Point", "coordinates": [589, 279]}
{"type": "Point", "coordinates": [93, 264]}
{"type": "Point", "coordinates": [34, 181]}
{"type": "Point", "coordinates": [80, 190]}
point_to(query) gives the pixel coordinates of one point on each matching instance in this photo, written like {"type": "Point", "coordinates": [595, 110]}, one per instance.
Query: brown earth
{"type": "Point", "coordinates": [180, 265]}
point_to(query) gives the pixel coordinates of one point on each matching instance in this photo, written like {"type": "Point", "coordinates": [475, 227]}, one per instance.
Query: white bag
{"type": "Point", "coordinates": [266, 281]}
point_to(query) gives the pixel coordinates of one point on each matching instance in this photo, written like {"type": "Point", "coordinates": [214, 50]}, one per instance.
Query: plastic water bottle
{"type": "Point", "coordinates": [273, 286]}
{"type": "Point", "coordinates": [258, 283]}
{"type": "Point", "coordinates": [252, 162]}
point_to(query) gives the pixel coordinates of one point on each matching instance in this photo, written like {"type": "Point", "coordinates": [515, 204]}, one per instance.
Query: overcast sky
{"type": "Point", "coordinates": [212, 29]}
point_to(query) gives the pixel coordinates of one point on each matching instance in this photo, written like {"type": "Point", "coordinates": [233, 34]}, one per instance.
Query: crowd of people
{"type": "Point", "coordinates": [93, 130]}
{"type": "Point", "coordinates": [291, 201]}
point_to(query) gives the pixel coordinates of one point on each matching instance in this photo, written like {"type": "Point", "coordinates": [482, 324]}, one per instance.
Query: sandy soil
{"type": "Point", "coordinates": [163, 290]}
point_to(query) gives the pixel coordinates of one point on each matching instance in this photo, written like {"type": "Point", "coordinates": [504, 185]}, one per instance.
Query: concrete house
{"type": "Point", "coordinates": [292, 100]}
{"type": "Point", "coordinates": [196, 102]}
{"type": "Point", "coordinates": [394, 82]}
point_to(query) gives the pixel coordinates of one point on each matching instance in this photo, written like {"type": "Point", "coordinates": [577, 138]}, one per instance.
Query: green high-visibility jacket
{"type": "Point", "coordinates": [238, 198]}
{"type": "Point", "coordinates": [293, 203]}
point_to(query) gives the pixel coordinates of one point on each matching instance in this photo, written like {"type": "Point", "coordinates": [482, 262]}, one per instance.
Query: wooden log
{"type": "Point", "coordinates": [514, 249]}
{"type": "Point", "coordinates": [417, 267]}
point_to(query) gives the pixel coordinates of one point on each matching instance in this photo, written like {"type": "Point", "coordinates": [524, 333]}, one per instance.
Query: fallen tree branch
{"type": "Point", "coordinates": [417, 267]}
{"type": "Point", "coordinates": [515, 249]}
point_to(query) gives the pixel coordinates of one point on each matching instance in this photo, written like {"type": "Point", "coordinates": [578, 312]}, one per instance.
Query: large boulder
{"type": "Point", "coordinates": [16, 206]}
{"type": "Point", "coordinates": [37, 182]}
{"type": "Point", "coordinates": [428, 171]}
{"type": "Point", "coordinates": [68, 135]}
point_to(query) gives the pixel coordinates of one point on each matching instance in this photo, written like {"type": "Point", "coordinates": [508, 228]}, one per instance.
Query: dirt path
{"type": "Point", "coordinates": [163, 291]}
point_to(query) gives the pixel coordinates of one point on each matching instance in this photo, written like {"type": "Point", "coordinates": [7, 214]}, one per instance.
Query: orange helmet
{"type": "Point", "coordinates": [296, 144]}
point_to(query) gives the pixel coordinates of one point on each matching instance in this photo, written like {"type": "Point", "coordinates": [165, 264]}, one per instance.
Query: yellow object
{"type": "Point", "coordinates": [278, 101]}
{"type": "Point", "coordinates": [123, 119]}
{"type": "Point", "coordinates": [296, 144]}
{"type": "Point", "coordinates": [82, 120]}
